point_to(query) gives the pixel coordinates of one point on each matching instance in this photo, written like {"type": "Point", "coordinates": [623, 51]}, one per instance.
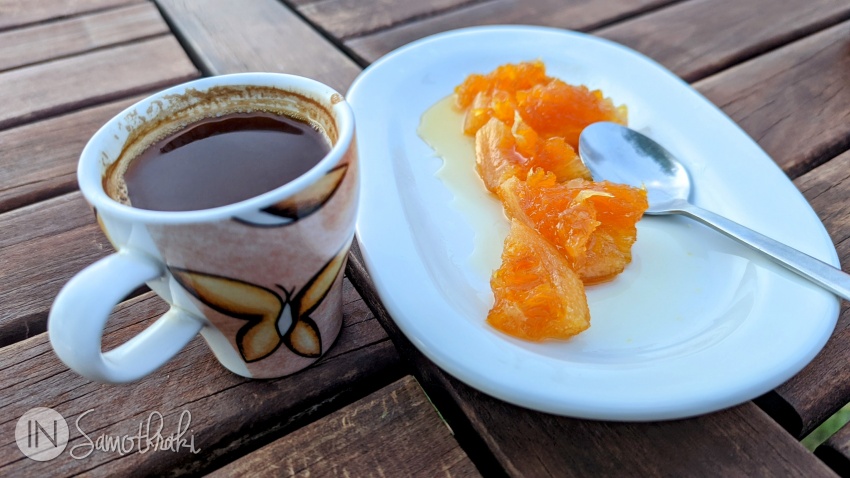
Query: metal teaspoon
{"type": "Point", "coordinates": [616, 153]}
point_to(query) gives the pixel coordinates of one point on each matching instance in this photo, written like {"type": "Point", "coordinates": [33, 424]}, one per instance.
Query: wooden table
{"type": "Point", "coordinates": [780, 68]}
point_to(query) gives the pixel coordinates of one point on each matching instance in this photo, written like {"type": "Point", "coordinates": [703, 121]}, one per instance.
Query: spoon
{"type": "Point", "coordinates": [619, 154]}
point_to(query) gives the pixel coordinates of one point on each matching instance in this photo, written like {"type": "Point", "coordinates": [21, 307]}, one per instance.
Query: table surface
{"type": "Point", "coordinates": [374, 406]}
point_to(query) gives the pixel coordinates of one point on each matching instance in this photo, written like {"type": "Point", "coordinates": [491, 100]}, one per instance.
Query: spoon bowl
{"type": "Point", "coordinates": [619, 154]}
{"type": "Point", "coordinates": [604, 148]}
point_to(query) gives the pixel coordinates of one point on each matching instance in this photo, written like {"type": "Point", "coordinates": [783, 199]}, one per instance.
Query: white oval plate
{"type": "Point", "coordinates": [696, 323]}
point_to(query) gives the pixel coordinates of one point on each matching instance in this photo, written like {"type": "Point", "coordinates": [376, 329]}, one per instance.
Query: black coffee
{"type": "Point", "coordinates": [223, 160]}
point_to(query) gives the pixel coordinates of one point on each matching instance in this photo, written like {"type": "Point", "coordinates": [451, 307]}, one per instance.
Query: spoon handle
{"type": "Point", "coordinates": [805, 265]}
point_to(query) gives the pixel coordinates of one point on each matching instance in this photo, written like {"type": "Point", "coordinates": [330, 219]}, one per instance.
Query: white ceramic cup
{"type": "Point", "coordinates": [259, 279]}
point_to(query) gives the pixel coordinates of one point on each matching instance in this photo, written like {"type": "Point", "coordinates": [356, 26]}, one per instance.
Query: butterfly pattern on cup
{"type": "Point", "coordinates": [298, 206]}
{"type": "Point", "coordinates": [272, 319]}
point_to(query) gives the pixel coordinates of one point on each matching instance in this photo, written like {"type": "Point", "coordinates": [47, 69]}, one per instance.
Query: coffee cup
{"type": "Point", "coordinates": [259, 278]}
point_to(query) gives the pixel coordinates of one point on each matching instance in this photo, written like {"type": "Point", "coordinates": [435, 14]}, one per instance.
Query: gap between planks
{"type": "Point", "coordinates": [231, 415]}
{"type": "Point", "coordinates": [49, 89]}
{"type": "Point", "coordinates": [392, 432]}
{"type": "Point", "coordinates": [64, 38]}
{"type": "Point", "coordinates": [25, 13]}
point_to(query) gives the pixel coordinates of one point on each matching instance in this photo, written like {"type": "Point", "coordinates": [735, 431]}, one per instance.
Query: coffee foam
{"type": "Point", "coordinates": [173, 113]}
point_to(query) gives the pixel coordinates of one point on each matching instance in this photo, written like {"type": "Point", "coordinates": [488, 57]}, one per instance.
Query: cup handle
{"type": "Point", "coordinates": [80, 312]}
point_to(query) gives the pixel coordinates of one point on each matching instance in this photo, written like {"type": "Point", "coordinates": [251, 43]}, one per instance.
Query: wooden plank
{"type": "Point", "coordinates": [742, 441]}
{"type": "Point", "coordinates": [794, 100]}
{"type": "Point", "coordinates": [728, 31]}
{"type": "Point", "coordinates": [347, 18]}
{"type": "Point", "coordinates": [40, 159]}
{"type": "Point", "coordinates": [39, 43]}
{"type": "Point", "coordinates": [835, 452]}
{"type": "Point", "coordinates": [260, 35]}
{"type": "Point", "coordinates": [823, 387]}
{"type": "Point", "coordinates": [22, 12]}
{"type": "Point", "coordinates": [47, 89]}
{"type": "Point", "coordinates": [392, 432]}
{"type": "Point", "coordinates": [574, 15]}
{"type": "Point", "coordinates": [228, 413]}
{"type": "Point", "coordinates": [42, 247]}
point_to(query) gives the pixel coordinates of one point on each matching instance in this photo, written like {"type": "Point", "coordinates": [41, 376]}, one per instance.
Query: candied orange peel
{"type": "Point", "coordinates": [535, 285]}
{"type": "Point", "coordinates": [566, 230]}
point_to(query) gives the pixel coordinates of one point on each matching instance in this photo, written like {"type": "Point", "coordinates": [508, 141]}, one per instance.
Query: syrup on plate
{"type": "Point", "coordinates": [442, 128]}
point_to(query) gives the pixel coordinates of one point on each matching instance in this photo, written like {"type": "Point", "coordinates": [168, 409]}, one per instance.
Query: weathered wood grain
{"type": "Point", "coordinates": [823, 387]}
{"type": "Point", "coordinates": [346, 18]}
{"type": "Point", "coordinates": [573, 15]}
{"type": "Point", "coordinates": [40, 159]}
{"type": "Point", "coordinates": [699, 37]}
{"type": "Point", "coordinates": [49, 218]}
{"type": "Point", "coordinates": [43, 246]}
{"type": "Point", "coordinates": [229, 414]}
{"type": "Point", "coordinates": [67, 84]}
{"type": "Point", "coordinates": [741, 441]}
{"type": "Point", "coordinates": [21, 12]}
{"type": "Point", "coordinates": [392, 432]}
{"type": "Point", "coordinates": [260, 35]}
{"type": "Point", "coordinates": [737, 442]}
{"type": "Point", "coordinates": [795, 101]}
{"type": "Point", "coordinates": [38, 43]}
